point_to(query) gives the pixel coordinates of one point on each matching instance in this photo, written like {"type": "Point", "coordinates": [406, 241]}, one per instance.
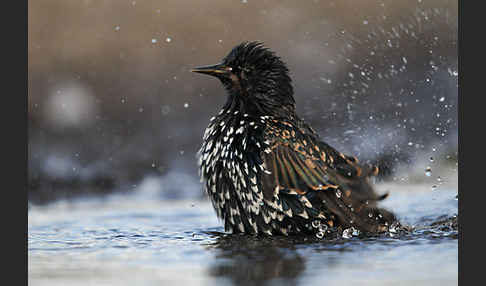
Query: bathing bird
{"type": "Point", "coordinates": [266, 171]}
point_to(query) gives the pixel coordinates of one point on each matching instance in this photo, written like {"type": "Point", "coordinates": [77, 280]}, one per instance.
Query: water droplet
{"type": "Point", "coordinates": [347, 233]}
{"type": "Point", "coordinates": [186, 105]}
{"type": "Point", "coordinates": [365, 22]}
{"type": "Point", "coordinates": [140, 109]}
{"type": "Point", "coordinates": [117, 28]}
{"type": "Point", "coordinates": [122, 100]}
{"type": "Point", "coordinates": [154, 40]}
{"type": "Point", "coordinates": [428, 171]}
{"type": "Point", "coordinates": [442, 99]}
{"type": "Point", "coordinates": [153, 165]}
{"type": "Point", "coordinates": [165, 109]}
{"type": "Point", "coordinates": [168, 39]}
{"type": "Point", "coordinates": [394, 227]}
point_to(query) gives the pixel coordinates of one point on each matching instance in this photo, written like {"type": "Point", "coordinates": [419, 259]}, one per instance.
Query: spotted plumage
{"type": "Point", "coordinates": [266, 171]}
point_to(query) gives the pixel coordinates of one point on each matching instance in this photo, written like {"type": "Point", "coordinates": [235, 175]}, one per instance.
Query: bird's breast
{"type": "Point", "coordinates": [230, 162]}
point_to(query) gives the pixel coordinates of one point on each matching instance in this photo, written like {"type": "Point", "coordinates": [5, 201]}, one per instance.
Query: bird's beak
{"type": "Point", "coordinates": [213, 70]}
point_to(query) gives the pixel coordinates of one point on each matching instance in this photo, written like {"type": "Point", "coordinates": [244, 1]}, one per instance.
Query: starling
{"type": "Point", "coordinates": [266, 171]}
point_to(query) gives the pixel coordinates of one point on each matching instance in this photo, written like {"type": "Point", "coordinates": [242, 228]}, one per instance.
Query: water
{"type": "Point", "coordinates": [138, 239]}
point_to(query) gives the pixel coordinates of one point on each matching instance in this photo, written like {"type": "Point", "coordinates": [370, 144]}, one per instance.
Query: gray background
{"type": "Point", "coordinates": [111, 100]}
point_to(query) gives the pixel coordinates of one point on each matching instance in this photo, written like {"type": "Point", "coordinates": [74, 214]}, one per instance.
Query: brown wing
{"type": "Point", "coordinates": [315, 179]}
{"type": "Point", "coordinates": [302, 165]}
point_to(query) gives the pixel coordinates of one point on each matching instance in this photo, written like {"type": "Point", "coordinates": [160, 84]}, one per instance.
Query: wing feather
{"type": "Point", "coordinates": [310, 178]}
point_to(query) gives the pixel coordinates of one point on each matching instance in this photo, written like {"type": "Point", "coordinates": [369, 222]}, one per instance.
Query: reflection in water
{"type": "Point", "coordinates": [248, 260]}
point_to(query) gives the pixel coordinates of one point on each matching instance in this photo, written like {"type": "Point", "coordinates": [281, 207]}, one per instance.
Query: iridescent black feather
{"type": "Point", "coordinates": [266, 171]}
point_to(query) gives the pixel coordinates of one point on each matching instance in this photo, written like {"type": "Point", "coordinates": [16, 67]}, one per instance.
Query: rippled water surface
{"type": "Point", "coordinates": [138, 239]}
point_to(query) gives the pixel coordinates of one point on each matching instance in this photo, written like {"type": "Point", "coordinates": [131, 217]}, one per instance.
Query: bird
{"type": "Point", "coordinates": [267, 172]}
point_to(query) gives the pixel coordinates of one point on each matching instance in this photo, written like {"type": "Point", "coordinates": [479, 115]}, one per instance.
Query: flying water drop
{"type": "Point", "coordinates": [428, 171]}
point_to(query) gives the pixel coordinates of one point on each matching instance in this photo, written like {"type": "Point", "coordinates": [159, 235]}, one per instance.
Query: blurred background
{"type": "Point", "coordinates": [112, 106]}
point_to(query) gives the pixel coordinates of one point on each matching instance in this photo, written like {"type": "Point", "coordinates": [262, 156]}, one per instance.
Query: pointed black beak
{"type": "Point", "coordinates": [214, 70]}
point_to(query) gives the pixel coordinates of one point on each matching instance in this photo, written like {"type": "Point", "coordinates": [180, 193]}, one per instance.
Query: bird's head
{"type": "Point", "coordinates": [256, 79]}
